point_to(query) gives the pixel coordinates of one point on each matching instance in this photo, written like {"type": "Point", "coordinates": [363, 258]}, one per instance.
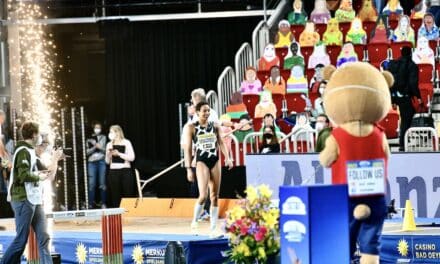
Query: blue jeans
{"type": "Point", "coordinates": [26, 215]}
{"type": "Point", "coordinates": [96, 171]}
{"type": "Point", "coordinates": [379, 5]}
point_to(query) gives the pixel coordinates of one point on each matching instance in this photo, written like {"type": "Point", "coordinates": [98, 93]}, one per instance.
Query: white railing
{"type": "Point", "coordinates": [243, 59]}
{"type": "Point", "coordinates": [254, 138]}
{"type": "Point", "coordinates": [235, 152]}
{"type": "Point", "coordinates": [305, 135]}
{"type": "Point", "coordinates": [212, 99]}
{"type": "Point", "coordinates": [421, 139]}
{"type": "Point", "coordinates": [225, 88]}
{"type": "Point", "coordinates": [260, 37]}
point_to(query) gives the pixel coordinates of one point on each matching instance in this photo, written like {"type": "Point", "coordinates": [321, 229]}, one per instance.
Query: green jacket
{"type": "Point", "coordinates": [322, 137]}
{"type": "Point", "coordinates": [22, 172]}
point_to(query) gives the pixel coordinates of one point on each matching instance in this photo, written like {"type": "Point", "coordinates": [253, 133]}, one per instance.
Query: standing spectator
{"type": "Point", "coordinates": [2, 126]}
{"type": "Point", "coordinates": [428, 29]}
{"type": "Point", "coordinates": [119, 154]}
{"type": "Point", "coordinates": [324, 130]}
{"type": "Point", "coordinates": [434, 8]}
{"type": "Point", "coordinates": [96, 166]}
{"type": "Point", "coordinates": [5, 168]}
{"type": "Point", "coordinates": [406, 85]}
{"type": "Point", "coordinates": [270, 141]}
{"type": "Point", "coordinates": [26, 195]}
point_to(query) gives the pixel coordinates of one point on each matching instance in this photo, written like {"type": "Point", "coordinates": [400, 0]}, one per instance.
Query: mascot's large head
{"type": "Point", "coordinates": [357, 92]}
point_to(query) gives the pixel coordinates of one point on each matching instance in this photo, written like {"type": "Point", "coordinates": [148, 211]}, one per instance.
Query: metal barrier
{"type": "Point", "coordinates": [255, 136]}
{"type": "Point", "coordinates": [243, 59]}
{"type": "Point", "coordinates": [212, 99]}
{"type": "Point", "coordinates": [225, 88]}
{"type": "Point", "coordinates": [235, 152]}
{"type": "Point", "coordinates": [421, 139]}
{"type": "Point", "coordinates": [304, 135]}
{"type": "Point", "coordinates": [260, 37]}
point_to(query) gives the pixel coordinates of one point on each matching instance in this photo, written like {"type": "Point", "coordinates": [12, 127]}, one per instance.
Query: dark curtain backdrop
{"type": "Point", "coordinates": [153, 66]}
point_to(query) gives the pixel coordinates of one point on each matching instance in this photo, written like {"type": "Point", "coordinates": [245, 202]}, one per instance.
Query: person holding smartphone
{"type": "Point", "coordinates": [96, 167]}
{"type": "Point", "coordinates": [119, 154]}
{"type": "Point", "coordinates": [25, 192]}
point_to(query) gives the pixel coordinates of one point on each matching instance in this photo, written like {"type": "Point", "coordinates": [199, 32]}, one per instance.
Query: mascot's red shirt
{"type": "Point", "coordinates": [353, 148]}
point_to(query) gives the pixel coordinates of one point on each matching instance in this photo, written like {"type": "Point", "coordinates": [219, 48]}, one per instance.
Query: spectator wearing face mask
{"type": "Point", "coordinates": [270, 141]}
{"type": "Point", "coordinates": [324, 130]}
{"type": "Point", "coordinates": [318, 104]}
{"type": "Point", "coordinates": [96, 166]}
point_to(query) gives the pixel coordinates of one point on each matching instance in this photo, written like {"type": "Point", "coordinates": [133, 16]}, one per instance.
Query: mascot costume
{"type": "Point", "coordinates": [357, 96]}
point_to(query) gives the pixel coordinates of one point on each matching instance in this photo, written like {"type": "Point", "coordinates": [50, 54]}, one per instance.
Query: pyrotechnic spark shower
{"type": "Point", "coordinates": [36, 66]}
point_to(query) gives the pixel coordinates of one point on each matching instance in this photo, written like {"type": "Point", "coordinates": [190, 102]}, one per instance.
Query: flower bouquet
{"type": "Point", "coordinates": [252, 227]}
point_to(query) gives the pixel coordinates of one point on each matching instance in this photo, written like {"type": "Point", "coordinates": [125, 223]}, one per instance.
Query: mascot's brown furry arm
{"type": "Point", "coordinates": [357, 96]}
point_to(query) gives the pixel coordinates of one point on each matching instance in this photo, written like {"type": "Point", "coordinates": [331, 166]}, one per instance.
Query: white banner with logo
{"type": "Point", "coordinates": [414, 176]}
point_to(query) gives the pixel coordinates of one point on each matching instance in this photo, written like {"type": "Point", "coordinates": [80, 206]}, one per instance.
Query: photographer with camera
{"type": "Point", "coordinates": [25, 192]}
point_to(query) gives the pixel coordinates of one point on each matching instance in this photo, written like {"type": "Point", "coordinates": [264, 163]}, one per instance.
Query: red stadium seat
{"type": "Point", "coordinates": [425, 73]}
{"type": "Point", "coordinates": [433, 45]}
{"type": "Point", "coordinates": [295, 103]}
{"type": "Point", "coordinates": [284, 126]}
{"type": "Point", "coordinates": [285, 74]}
{"type": "Point", "coordinates": [281, 53]}
{"type": "Point", "coordinates": [258, 124]}
{"type": "Point", "coordinates": [309, 74]}
{"type": "Point", "coordinates": [296, 30]}
{"type": "Point", "coordinates": [248, 147]}
{"type": "Point", "coordinates": [377, 52]}
{"type": "Point", "coordinates": [344, 27]}
{"type": "Point", "coordinates": [368, 27]}
{"type": "Point", "coordinates": [313, 97]}
{"type": "Point", "coordinates": [278, 101]}
{"type": "Point", "coordinates": [320, 28]}
{"type": "Point", "coordinates": [415, 24]}
{"type": "Point", "coordinates": [426, 93]}
{"type": "Point", "coordinates": [333, 51]}
{"type": "Point", "coordinates": [393, 22]}
{"type": "Point", "coordinates": [263, 76]}
{"type": "Point", "coordinates": [306, 52]}
{"type": "Point", "coordinates": [396, 47]}
{"type": "Point", "coordinates": [391, 124]}
{"type": "Point", "coordinates": [359, 49]}
{"type": "Point", "coordinates": [251, 100]}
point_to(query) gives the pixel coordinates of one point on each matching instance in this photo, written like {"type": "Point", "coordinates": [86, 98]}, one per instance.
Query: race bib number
{"type": "Point", "coordinates": [366, 177]}
{"type": "Point", "coordinates": [207, 141]}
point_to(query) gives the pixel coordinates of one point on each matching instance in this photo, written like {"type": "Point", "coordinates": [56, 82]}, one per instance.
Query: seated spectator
{"type": "Point", "coordinates": [302, 125]}
{"type": "Point", "coordinates": [225, 132]}
{"type": "Point", "coordinates": [309, 37]}
{"type": "Point", "coordinates": [393, 9]}
{"type": "Point", "coordinates": [265, 106]}
{"type": "Point", "coordinates": [423, 52]}
{"type": "Point", "coordinates": [236, 107]}
{"type": "Point", "coordinates": [251, 85]}
{"type": "Point", "coordinates": [298, 16]}
{"type": "Point", "coordinates": [244, 128]}
{"type": "Point", "coordinates": [320, 14]}
{"type": "Point", "coordinates": [324, 130]}
{"type": "Point", "coordinates": [404, 31]}
{"type": "Point", "coordinates": [275, 84]}
{"type": "Point", "coordinates": [317, 78]}
{"type": "Point", "coordinates": [419, 10]}
{"type": "Point", "coordinates": [345, 13]}
{"type": "Point", "coordinates": [270, 141]}
{"type": "Point", "coordinates": [284, 37]}
{"type": "Point", "coordinates": [319, 56]}
{"type": "Point", "coordinates": [318, 105]}
{"type": "Point", "coordinates": [368, 12]}
{"type": "Point", "coordinates": [293, 57]}
{"type": "Point", "coordinates": [380, 34]}
{"type": "Point", "coordinates": [297, 82]}
{"type": "Point", "coordinates": [333, 35]}
{"type": "Point", "coordinates": [269, 58]}
{"type": "Point", "coordinates": [269, 120]}
{"type": "Point", "coordinates": [347, 55]}
{"type": "Point", "coordinates": [428, 29]}
{"type": "Point", "coordinates": [356, 34]}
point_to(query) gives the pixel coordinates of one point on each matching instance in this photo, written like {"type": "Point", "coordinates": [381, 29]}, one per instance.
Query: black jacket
{"type": "Point", "coordinates": [406, 77]}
